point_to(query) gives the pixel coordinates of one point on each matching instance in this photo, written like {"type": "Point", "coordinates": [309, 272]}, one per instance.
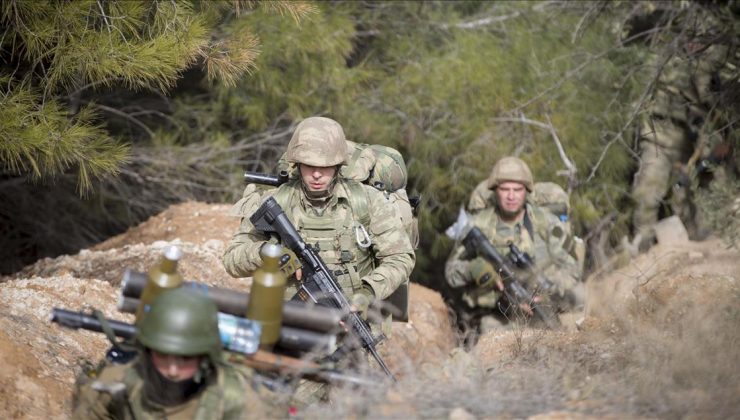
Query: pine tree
{"type": "Point", "coordinates": [73, 78]}
{"type": "Point", "coordinates": [55, 52]}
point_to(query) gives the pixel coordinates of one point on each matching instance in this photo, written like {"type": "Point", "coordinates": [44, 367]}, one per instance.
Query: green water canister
{"type": "Point", "coordinates": [266, 297]}
{"type": "Point", "coordinates": [161, 277]}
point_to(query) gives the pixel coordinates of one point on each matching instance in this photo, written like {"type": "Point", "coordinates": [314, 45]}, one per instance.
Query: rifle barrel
{"type": "Point", "coordinates": [77, 320]}
{"type": "Point", "coordinates": [266, 179]}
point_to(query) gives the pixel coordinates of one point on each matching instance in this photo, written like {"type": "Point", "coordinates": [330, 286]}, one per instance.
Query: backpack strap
{"type": "Point", "coordinates": [355, 156]}
{"type": "Point", "coordinates": [285, 194]}
{"type": "Point", "coordinates": [358, 201]}
{"type": "Point", "coordinates": [226, 396]}
{"type": "Point", "coordinates": [536, 222]}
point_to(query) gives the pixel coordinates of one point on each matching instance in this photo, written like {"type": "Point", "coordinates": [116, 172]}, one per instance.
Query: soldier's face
{"type": "Point", "coordinates": [511, 197]}
{"type": "Point", "coordinates": [175, 368]}
{"type": "Point", "coordinates": [317, 178]}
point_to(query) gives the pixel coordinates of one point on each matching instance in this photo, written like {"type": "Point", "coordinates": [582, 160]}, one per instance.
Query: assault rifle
{"type": "Point", "coordinates": [523, 260]}
{"type": "Point", "coordinates": [242, 343]}
{"type": "Point", "coordinates": [318, 285]}
{"type": "Point", "coordinates": [476, 243]}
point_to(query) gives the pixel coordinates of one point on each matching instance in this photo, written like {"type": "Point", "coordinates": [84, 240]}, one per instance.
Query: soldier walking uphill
{"type": "Point", "coordinates": [533, 230]}
{"type": "Point", "coordinates": [369, 258]}
{"type": "Point", "coordinates": [354, 228]}
{"type": "Point", "coordinates": [179, 373]}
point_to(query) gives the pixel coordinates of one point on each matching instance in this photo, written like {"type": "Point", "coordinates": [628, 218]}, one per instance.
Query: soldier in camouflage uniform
{"type": "Point", "coordinates": [536, 231]}
{"type": "Point", "coordinates": [366, 248]}
{"type": "Point", "coordinates": [179, 373]}
{"type": "Point", "coordinates": [680, 127]}
{"type": "Point", "coordinates": [354, 227]}
{"type": "Point", "coordinates": [547, 195]}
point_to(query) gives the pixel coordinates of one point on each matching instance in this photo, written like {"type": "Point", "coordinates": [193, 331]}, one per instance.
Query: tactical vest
{"type": "Point", "coordinates": [381, 167]}
{"type": "Point", "coordinates": [344, 244]}
{"type": "Point", "coordinates": [534, 239]}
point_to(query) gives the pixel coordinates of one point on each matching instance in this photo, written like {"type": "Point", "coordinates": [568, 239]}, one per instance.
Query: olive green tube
{"type": "Point", "coordinates": [296, 314]}
{"type": "Point", "coordinates": [266, 297]}
{"type": "Point", "coordinates": [161, 277]}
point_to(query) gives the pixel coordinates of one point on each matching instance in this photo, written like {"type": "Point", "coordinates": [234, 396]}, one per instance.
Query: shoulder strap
{"type": "Point", "coordinates": [355, 156]}
{"type": "Point", "coordinates": [358, 201]}
{"type": "Point", "coordinates": [285, 194]}
{"type": "Point", "coordinates": [536, 222]}
{"type": "Point", "coordinates": [134, 386]}
{"type": "Point", "coordinates": [213, 400]}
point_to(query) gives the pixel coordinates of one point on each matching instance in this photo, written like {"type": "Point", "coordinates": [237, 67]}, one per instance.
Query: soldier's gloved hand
{"type": "Point", "coordinates": [484, 275]}
{"type": "Point", "coordinates": [289, 263]}
{"type": "Point", "coordinates": [361, 301]}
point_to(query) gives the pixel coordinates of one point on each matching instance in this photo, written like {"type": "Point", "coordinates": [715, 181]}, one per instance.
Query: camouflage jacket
{"type": "Point", "coordinates": [540, 234]}
{"type": "Point", "coordinates": [227, 397]}
{"type": "Point", "coordinates": [336, 232]}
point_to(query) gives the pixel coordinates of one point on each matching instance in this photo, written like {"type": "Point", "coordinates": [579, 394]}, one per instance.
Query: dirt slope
{"type": "Point", "coordinates": [39, 361]}
{"type": "Point", "coordinates": [660, 338]}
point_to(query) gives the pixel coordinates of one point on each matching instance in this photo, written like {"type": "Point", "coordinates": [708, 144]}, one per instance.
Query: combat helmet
{"type": "Point", "coordinates": [317, 141]}
{"type": "Point", "coordinates": [183, 323]}
{"type": "Point", "coordinates": [511, 169]}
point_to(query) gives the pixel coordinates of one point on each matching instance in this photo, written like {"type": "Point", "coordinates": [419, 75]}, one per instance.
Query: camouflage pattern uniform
{"type": "Point", "coordinates": [179, 323]}
{"type": "Point", "coordinates": [356, 229]}
{"type": "Point", "coordinates": [675, 125]}
{"type": "Point", "coordinates": [334, 229]}
{"type": "Point", "coordinates": [546, 195]}
{"type": "Point", "coordinates": [539, 233]}
{"type": "Point", "coordinates": [225, 397]}
{"type": "Point", "coordinates": [383, 266]}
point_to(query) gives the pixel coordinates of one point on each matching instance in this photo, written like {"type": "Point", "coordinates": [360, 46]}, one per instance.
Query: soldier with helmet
{"type": "Point", "coordinates": [513, 218]}
{"type": "Point", "coordinates": [354, 227]}
{"type": "Point", "coordinates": [364, 244]}
{"type": "Point", "coordinates": [179, 372]}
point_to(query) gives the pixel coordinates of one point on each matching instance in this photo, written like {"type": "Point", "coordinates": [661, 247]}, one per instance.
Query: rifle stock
{"type": "Point", "coordinates": [476, 243]}
{"type": "Point", "coordinates": [318, 284]}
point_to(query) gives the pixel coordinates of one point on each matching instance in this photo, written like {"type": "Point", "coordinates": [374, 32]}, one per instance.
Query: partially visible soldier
{"type": "Point", "coordinates": [179, 373]}
{"type": "Point", "coordinates": [354, 227]}
{"type": "Point", "coordinates": [547, 195]}
{"type": "Point", "coordinates": [515, 219]}
{"type": "Point", "coordinates": [682, 127]}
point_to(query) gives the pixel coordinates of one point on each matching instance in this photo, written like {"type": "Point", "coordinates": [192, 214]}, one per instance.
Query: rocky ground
{"type": "Point", "coordinates": [659, 338]}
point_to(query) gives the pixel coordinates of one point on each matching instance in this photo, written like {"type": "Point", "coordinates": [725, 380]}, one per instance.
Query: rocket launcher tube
{"type": "Point", "coordinates": [290, 338]}
{"type": "Point", "coordinates": [296, 314]}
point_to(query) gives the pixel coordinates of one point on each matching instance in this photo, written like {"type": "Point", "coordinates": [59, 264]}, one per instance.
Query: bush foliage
{"type": "Point", "coordinates": [172, 101]}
